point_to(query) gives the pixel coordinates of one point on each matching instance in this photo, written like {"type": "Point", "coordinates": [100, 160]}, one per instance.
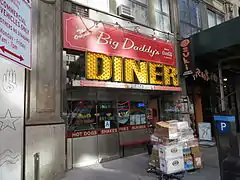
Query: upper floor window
{"type": "Point", "coordinates": [140, 11]}
{"type": "Point", "coordinates": [190, 18]}
{"type": "Point", "coordinates": [214, 18]}
{"type": "Point", "coordinates": [162, 13]}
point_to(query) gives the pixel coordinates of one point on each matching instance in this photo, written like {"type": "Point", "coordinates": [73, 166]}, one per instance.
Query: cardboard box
{"type": "Point", "coordinates": [166, 129]}
{"type": "Point", "coordinates": [172, 165]}
{"type": "Point", "coordinates": [168, 142]}
{"type": "Point", "coordinates": [198, 163]}
{"type": "Point", "coordinates": [196, 151]}
{"type": "Point", "coordinates": [168, 152]}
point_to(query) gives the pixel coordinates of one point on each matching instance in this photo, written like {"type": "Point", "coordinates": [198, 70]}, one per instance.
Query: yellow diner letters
{"type": "Point", "coordinates": [105, 68]}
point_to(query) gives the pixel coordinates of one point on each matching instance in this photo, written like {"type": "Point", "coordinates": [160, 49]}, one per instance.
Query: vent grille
{"type": "Point", "coordinates": [125, 11]}
{"type": "Point", "coordinates": [80, 10]}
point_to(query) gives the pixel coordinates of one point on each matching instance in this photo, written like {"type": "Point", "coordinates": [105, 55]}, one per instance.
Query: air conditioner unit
{"type": "Point", "coordinates": [125, 11]}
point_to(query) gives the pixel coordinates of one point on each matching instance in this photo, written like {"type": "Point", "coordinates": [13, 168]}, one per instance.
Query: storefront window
{"type": "Point", "coordinates": [214, 18]}
{"type": "Point", "coordinates": [131, 113]}
{"type": "Point", "coordinates": [82, 115]}
{"type": "Point", "coordinates": [106, 113]}
{"type": "Point", "coordinates": [190, 18]}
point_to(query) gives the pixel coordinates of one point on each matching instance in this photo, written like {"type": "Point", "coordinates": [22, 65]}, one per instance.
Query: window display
{"type": "Point", "coordinates": [82, 115]}
{"type": "Point", "coordinates": [131, 113]}
{"type": "Point", "coordinates": [106, 118]}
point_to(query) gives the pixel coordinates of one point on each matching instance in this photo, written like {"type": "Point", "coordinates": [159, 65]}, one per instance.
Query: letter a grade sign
{"type": "Point", "coordinates": [15, 31]}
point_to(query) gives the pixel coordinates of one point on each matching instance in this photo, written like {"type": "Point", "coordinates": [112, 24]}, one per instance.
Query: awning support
{"type": "Point", "coordinates": [223, 108]}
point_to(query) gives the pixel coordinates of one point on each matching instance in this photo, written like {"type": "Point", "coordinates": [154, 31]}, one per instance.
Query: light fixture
{"type": "Point", "coordinates": [97, 23]}
{"type": "Point", "coordinates": [137, 29]}
{"type": "Point", "coordinates": [154, 35]}
{"type": "Point", "coordinates": [225, 79]}
{"type": "Point", "coordinates": [225, 86]}
{"type": "Point", "coordinates": [116, 25]}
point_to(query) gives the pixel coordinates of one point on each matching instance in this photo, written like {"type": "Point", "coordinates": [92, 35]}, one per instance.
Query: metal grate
{"type": "Point", "coordinates": [80, 10]}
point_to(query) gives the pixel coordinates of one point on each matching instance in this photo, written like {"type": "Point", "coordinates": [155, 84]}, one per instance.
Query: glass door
{"type": "Point", "coordinates": [108, 136]}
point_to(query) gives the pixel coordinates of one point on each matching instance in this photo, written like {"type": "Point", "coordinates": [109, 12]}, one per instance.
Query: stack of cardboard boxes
{"type": "Point", "coordinates": [175, 149]}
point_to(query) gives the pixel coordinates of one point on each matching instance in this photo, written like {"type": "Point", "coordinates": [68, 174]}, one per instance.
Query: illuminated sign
{"type": "Point", "coordinates": [83, 34]}
{"type": "Point", "coordinates": [101, 67]}
{"type": "Point", "coordinates": [187, 58]}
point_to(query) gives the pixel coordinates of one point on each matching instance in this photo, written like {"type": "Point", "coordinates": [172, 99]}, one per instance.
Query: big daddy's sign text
{"type": "Point", "coordinates": [84, 35]}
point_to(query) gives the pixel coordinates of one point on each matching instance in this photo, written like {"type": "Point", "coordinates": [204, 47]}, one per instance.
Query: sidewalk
{"type": "Point", "coordinates": [134, 168]}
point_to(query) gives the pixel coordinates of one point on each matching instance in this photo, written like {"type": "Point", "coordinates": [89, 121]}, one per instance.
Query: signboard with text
{"type": "Point", "coordinates": [223, 123]}
{"type": "Point", "coordinates": [187, 56]}
{"type": "Point", "coordinates": [87, 35]}
{"type": "Point", "coordinates": [15, 31]}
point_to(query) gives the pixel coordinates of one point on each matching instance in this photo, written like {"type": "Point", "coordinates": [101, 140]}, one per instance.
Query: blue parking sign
{"type": "Point", "coordinates": [223, 126]}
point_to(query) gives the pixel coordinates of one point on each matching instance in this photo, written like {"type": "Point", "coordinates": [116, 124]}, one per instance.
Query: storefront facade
{"type": "Point", "coordinates": [211, 72]}
{"type": "Point", "coordinates": [115, 79]}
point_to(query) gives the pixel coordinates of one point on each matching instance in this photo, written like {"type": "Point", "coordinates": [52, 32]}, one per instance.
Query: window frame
{"type": "Point", "coordinates": [156, 10]}
{"type": "Point", "coordinates": [140, 4]}
{"type": "Point", "coordinates": [189, 22]}
{"type": "Point", "coordinates": [160, 11]}
{"type": "Point", "coordinates": [216, 13]}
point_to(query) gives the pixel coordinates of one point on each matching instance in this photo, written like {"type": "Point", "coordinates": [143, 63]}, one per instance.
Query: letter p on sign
{"type": "Point", "coordinates": [223, 126]}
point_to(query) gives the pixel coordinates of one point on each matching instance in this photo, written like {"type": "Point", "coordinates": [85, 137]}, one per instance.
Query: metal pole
{"type": "Point", "coordinates": [36, 166]}
{"type": "Point", "coordinates": [221, 87]}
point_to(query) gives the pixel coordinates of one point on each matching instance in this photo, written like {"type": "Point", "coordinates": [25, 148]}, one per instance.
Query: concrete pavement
{"type": "Point", "coordinates": [134, 168]}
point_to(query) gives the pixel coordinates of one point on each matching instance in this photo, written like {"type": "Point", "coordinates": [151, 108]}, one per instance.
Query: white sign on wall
{"type": "Point", "coordinates": [15, 31]}
{"type": "Point", "coordinates": [205, 132]}
{"type": "Point", "coordinates": [11, 119]}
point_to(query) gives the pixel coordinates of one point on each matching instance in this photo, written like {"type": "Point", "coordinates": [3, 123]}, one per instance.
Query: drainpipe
{"type": "Point", "coordinates": [221, 87]}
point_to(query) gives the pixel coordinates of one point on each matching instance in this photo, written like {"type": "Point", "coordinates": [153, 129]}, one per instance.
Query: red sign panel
{"type": "Point", "coordinates": [86, 35]}
{"type": "Point", "coordinates": [79, 134]}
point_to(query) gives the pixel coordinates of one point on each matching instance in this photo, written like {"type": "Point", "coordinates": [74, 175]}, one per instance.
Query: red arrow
{"type": "Point", "coordinates": [11, 53]}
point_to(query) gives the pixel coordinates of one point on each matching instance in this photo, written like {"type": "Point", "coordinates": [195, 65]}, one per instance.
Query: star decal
{"type": "Point", "coordinates": [8, 121]}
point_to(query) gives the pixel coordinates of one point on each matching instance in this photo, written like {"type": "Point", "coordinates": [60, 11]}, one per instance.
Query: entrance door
{"type": "Point", "coordinates": [82, 129]}
{"type": "Point", "coordinates": [92, 128]}
{"type": "Point", "coordinates": [108, 136]}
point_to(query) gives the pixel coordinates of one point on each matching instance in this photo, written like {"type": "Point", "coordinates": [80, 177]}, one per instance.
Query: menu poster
{"type": "Point", "coordinates": [143, 119]}
{"type": "Point", "coordinates": [138, 119]}
{"type": "Point", "coordinates": [123, 112]}
{"type": "Point", "coordinates": [132, 120]}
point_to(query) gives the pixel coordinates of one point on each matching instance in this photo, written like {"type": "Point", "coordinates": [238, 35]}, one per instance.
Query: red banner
{"type": "Point", "coordinates": [86, 35]}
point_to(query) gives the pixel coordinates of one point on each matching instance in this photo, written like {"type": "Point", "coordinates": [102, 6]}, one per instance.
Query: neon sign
{"type": "Point", "coordinates": [101, 67]}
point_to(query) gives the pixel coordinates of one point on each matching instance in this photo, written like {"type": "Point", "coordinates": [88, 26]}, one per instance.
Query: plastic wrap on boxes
{"type": "Point", "coordinates": [154, 138]}
{"type": "Point", "coordinates": [168, 142]}
{"type": "Point", "coordinates": [182, 125]}
{"type": "Point", "coordinates": [185, 134]}
{"type": "Point", "coordinates": [193, 142]}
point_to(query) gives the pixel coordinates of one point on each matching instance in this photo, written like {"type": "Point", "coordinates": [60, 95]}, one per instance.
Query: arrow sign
{"type": "Point", "coordinates": [11, 53]}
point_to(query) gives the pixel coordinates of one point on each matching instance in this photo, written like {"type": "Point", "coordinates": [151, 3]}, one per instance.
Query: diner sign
{"type": "Point", "coordinates": [84, 34]}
